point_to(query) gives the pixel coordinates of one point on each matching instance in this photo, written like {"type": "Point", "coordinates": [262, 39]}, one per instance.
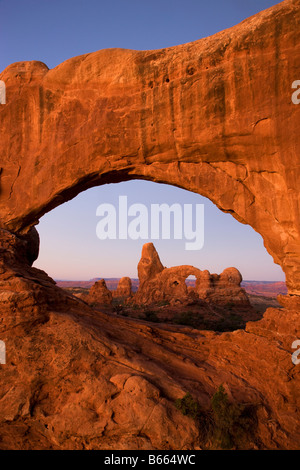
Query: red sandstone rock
{"type": "Point", "coordinates": [99, 294]}
{"type": "Point", "coordinates": [159, 284]}
{"type": "Point", "coordinates": [224, 288]}
{"type": "Point", "coordinates": [123, 290]}
{"type": "Point", "coordinates": [149, 265]}
{"type": "Point", "coordinates": [214, 116]}
{"type": "Point", "coordinates": [88, 380]}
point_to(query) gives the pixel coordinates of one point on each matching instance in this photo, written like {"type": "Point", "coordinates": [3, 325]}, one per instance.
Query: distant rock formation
{"type": "Point", "coordinates": [210, 126]}
{"type": "Point", "coordinates": [214, 117]}
{"type": "Point", "coordinates": [149, 265]}
{"type": "Point", "coordinates": [159, 284]}
{"type": "Point", "coordinates": [99, 294]}
{"type": "Point", "coordinates": [124, 289]}
{"type": "Point", "coordinates": [223, 288]}
{"type": "Point", "coordinates": [168, 284]}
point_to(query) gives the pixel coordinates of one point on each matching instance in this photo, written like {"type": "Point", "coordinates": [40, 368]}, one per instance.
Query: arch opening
{"type": "Point", "coordinates": [202, 312]}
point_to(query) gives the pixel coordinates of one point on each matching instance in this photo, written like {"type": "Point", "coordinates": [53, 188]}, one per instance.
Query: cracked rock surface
{"type": "Point", "coordinates": [215, 117]}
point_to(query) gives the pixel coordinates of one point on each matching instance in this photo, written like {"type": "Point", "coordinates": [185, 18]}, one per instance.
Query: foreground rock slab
{"type": "Point", "coordinates": [215, 117]}
{"type": "Point", "coordinates": [85, 380]}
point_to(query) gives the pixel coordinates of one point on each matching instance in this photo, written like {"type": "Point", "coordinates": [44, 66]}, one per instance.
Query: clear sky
{"type": "Point", "coordinates": [54, 30]}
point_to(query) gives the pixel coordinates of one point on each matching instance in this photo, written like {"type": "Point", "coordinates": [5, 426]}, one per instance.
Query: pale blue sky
{"type": "Point", "coordinates": [55, 30]}
{"type": "Point", "coordinates": [70, 248]}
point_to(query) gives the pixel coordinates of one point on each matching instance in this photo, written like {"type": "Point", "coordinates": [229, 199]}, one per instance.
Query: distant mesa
{"type": "Point", "coordinates": [160, 284]}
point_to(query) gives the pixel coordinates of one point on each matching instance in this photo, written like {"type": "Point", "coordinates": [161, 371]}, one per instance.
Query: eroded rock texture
{"type": "Point", "coordinates": [99, 293]}
{"type": "Point", "coordinates": [158, 284]}
{"type": "Point", "coordinates": [214, 117]}
{"type": "Point", "coordinates": [221, 288]}
{"type": "Point", "coordinates": [124, 289]}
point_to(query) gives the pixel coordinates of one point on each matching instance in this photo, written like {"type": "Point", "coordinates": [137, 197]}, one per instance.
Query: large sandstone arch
{"type": "Point", "coordinates": [214, 117]}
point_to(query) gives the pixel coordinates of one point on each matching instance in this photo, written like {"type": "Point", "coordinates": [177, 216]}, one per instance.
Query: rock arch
{"type": "Point", "coordinates": [214, 116]}
{"type": "Point", "coordinates": [158, 283]}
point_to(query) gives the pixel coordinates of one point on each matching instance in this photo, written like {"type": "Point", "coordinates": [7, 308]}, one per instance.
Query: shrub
{"type": "Point", "coordinates": [224, 425]}
{"type": "Point", "coordinates": [229, 305]}
{"type": "Point", "coordinates": [232, 421]}
{"type": "Point", "coordinates": [163, 303]}
{"type": "Point", "coordinates": [185, 318]}
{"type": "Point", "coordinates": [188, 406]}
{"type": "Point", "coordinates": [151, 316]}
{"type": "Point", "coordinates": [118, 308]}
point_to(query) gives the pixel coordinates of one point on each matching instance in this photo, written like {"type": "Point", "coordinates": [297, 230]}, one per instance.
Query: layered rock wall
{"type": "Point", "coordinates": [214, 116]}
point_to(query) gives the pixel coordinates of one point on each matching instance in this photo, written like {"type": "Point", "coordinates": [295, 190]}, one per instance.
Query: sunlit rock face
{"type": "Point", "coordinates": [124, 289]}
{"type": "Point", "coordinates": [157, 283]}
{"type": "Point", "coordinates": [100, 294]}
{"type": "Point", "coordinates": [214, 117]}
